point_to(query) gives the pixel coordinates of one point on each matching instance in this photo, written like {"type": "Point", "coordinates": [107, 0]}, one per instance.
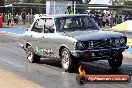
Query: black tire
{"type": "Point", "coordinates": [81, 80]}
{"type": "Point", "coordinates": [31, 56]}
{"type": "Point", "coordinates": [67, 59]}
{"type": "Point", "coordinates": [116, 60]}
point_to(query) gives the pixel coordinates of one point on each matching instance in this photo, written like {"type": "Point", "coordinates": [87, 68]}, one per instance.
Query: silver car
{"type": "Point", "coordinates": [72, 38]}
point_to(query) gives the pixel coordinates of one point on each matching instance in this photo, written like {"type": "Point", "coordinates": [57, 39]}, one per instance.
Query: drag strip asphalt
{"type": "Point", "coordinates": [48, 73]}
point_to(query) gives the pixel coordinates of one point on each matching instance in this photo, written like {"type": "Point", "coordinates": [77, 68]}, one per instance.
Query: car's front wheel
{"type": "Point", "coordinates": [31, 56]}
{"type": "Point", "coordinates": [116, 60]}
{"type": "Point", "coordinates": [67, 61]}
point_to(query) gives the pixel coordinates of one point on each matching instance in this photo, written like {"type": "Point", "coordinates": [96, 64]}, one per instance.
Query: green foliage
{"type": "Point", "coordinates": [24, 1]}
{"type": "Point", "coordinates": [36, 1]}
{"type": "Point", "coordinates": [10, 1]}
{"type": "Point", "coordinates": [128, 3]}
{"type": "Point", "coordinates": [39, 1]}
{"type": "Point", "coordinates": [1, 2]}
{"type": "Point", "coordinates": [121, 2]}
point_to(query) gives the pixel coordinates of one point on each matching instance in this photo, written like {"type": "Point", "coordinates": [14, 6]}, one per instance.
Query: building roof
{"type": "Point", "coordinates": [78, 6]}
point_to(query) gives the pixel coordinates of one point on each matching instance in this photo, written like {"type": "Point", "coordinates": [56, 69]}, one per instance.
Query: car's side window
{"type": "Point", "coordinates": [38, 26]}
{"type": "Point", "coordinates": [49, 26]}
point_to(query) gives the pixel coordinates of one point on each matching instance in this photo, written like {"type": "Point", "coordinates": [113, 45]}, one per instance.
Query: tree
{"type": "Point", "coordinates": [24, 1]}
{"type": "Point", "coordinates": [34, 1]}
{"type": "Point", "coordinates": [1, 2]}
{"type": "Point", "coordinates": [121, 2]}
{"type": "Point", "coordinates": [128, 2]}
{"type": "Point", "coordinates": [40, 1]}
{"type": "Point", "coordinates": [116, 2]}
{"type": "Point", "coordinates": [10, 1]}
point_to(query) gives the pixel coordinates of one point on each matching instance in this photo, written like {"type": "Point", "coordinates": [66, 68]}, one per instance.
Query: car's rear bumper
{"type": "Point", "coordinates": [98, 53]}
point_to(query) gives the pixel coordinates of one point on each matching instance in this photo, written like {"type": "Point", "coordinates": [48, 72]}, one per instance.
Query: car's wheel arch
{"type": "Point", "coordinates": [62, 47]}
{"type": "Point", "coordinates": [28, 44]}
{"type": "Point", "coordinates": [72, 63]}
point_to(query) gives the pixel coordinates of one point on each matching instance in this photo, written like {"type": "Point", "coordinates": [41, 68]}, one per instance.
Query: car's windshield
{"type": "Point", "coordinates": [75, 23]}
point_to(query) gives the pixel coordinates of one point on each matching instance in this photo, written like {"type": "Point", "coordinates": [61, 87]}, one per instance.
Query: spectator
{"type": "Point", "coordinates": [69, 11]}
{"type": "Point", "coordinates": [104, 20]}
{"type": "Point", "coordinates": [120, 20]}
{"type": "Point", "coordinates": [108, 19]}
{"type": "Point", "coordinates": [115, 21]}
{"type": "Point", "coordinates": [9, 17]}
{"type": "Point", "coordinates": [98, 20]}
{"type": "Point", "coordinates": [127, 17]}
{"type": "Point", "coordinates": [16, 18]}
{"type": "Point", "coordinates": [23, 15]}
{"type": "Point", "coordinates": [111, 20]}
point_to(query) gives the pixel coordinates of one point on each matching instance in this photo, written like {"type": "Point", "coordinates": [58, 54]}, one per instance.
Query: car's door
{"type": "Point", "coordinates": [35, 34]}
{"type": "Point", "coordinates": [46, 42]}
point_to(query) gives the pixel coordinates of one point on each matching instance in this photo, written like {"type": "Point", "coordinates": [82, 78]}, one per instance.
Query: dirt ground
{"type": "Point", "coordinates": [11, 80]}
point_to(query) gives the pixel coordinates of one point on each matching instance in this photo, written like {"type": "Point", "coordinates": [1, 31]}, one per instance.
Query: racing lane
{"type": "Point", "coordinates": [48, 73]}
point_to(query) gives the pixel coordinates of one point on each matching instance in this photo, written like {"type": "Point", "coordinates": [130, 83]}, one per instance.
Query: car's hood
{"type": "Point", "coordinates": [93, 35]}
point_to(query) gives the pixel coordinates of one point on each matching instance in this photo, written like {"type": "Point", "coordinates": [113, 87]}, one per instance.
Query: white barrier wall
{"type": "Point", "coordinates": [125, 26]}
{"type": "Point", "coordinates": [129, 25]}
{"type": "Point", "coordinates": [57, 7]}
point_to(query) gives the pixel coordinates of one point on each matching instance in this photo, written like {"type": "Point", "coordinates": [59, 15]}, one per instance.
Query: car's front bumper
{"type": "Point", "coordinates": [100, 53]}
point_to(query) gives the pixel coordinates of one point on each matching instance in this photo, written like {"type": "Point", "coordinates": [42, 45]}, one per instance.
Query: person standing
{"type": "Point", "coordinates": [111, 20]}
{"type": "Point", "coordinates": [23, 15]}
{"type": "Point", "coordinates": [16, 18]}
{"type": "Point", "coordinates": [98, 20]}
{"type": "Point", "coordinates": [103, 20]}
{"type": "Point", "coordinates": [120, 19]}
{"type": "Point", "coordinates": [69, 11]}
{"type": "Point", "coordinates": [9, 17]}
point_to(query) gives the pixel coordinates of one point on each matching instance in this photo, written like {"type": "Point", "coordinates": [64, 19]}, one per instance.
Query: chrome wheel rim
{"type": "Point", "coordinates": [29, 55]}
{"type": "Point", "coordinates": [65, 60]}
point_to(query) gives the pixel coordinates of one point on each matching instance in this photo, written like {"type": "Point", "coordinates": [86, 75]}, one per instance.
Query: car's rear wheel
{"type": "Point", "coordinates": [116, 60]}
{"type": "Point", "coordinates": [67, 61]}
{"type": "Point", "coordinates": [31, 56]}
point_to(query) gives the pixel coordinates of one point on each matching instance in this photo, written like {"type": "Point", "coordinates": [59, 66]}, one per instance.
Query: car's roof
{"type": "Point", "coordinates": [63, 15]}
